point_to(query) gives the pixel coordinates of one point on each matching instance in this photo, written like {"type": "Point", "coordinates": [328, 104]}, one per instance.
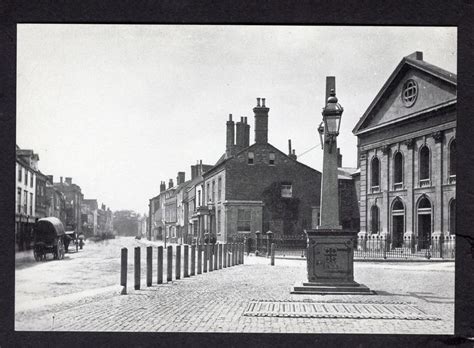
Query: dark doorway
{"type": "Point", "coordinates": [424, 231]}
{"type": "Point", "coordinates": [398, 230]}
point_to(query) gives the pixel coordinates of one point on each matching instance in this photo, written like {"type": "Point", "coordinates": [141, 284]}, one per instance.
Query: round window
{"type": "Point", "coordinates": [409, 93]}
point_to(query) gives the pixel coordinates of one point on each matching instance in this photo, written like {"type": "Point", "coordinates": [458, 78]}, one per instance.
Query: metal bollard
{"type": "Point", "coordinates": [169, 264]}
{"type": "Point", "coordinates": [178, 262]}
{"type": "Point", "coordinates": [199, 270]}
{"type": "Point", "coordinates": [160, 265]}
{"type": "Point", "coordinates": [273, 255]}
{"type": "Point", "coordinates": [137, 268]}
{"type": "Point", "coordinates": [193, 260]}
{"type": "Point", "coordinates": [186, 261]}
{"type": "Point", "coordinates": [123, 270]}
{"type": "Point", "coordinates": [219, 249]}
{"type": "Point", "coordinates": [204, 261]}
{"type": "Point", "coordinates": [215, 253]}
{"type": "Point", "coordinates": [149, 260]}
{"type": "Point", "coordinates": [211, 254]}
{"type": "Point", "coordinates": [243, 254]}
{"type": "Point", "coordinates": [232, 254]}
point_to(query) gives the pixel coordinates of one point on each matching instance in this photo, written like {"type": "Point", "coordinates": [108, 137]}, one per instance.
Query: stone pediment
{"type": "Point", "coordinates": [414, 88]}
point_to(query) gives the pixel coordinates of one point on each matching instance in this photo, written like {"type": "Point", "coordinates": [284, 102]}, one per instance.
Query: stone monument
{"type": "Point", "coordinates": [330, 249]}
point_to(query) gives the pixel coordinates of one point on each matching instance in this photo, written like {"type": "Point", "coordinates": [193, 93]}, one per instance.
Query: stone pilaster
{"type": "Point", "coordinates": [409, 184]}
{"type": "Point", "coordinates": [363, 193]}
{"type": "Point", "coordinates": [384, 188]}
{"type": "Point", "coordinates": [437, 181]}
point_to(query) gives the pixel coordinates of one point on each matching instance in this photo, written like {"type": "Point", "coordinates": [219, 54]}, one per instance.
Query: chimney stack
{"type": "Point", "coordinates": [261, 122]}
{"type": "Point", "coordinates": [418, 55]}
{"type": "Point", "coordinates": [170, 183]}
{"type": "Point", "coordinates": [291, 152]}
{"type": "Point", "coordinates": [339, 158]}
{"type": "Point", "coordinates": [162, 186]}
{"type": "Point", "coordinates": [180, 178]}
{"type": "Point", "coordinates": [246, 133]}
{"type": "Point", "coordinates": [50, 178]}
{"type": "Point", "coordinates": [240, 134]}
{"type": "Point", "coordinates": [61, 178]}
{"type": "Point", "coordinates": [230, 138]}
{"type": "Point", "coordinates": [69, 180]}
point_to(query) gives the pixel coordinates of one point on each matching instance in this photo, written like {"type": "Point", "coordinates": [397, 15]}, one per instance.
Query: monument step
{"type": "Point", "coordinates": [320, 288]}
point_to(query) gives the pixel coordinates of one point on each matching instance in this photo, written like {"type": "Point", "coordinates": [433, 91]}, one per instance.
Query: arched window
{"type": "Point", "coordinates": [452, 216]}
{"type": "Point", "coordinates": [424, 223]}
{"type": "Point", "coordinates": [398, 170]}
{"type": "Point", "coordinates": [424, 165]}
{"type": "Point", "coordinates": [374, 213]}
{"type": "Point", "coordinates": [452, 158]}
{"type": "Point", "coordinates": [375, 173]}
{"type": "Point", "coordinates": [424, 203]}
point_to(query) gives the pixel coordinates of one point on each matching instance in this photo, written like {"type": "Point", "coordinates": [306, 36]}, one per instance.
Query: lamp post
{"type": "Point", "coordinates": [330, 249]}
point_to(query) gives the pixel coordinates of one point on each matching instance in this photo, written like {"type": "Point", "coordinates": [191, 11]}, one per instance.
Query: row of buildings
{"type": "Point", "coordinates": [38, 196]}
{"type": "Point", "coordinates": [403, 186]}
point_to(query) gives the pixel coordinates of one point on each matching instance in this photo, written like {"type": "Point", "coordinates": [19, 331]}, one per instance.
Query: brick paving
{"type": "Point", "coordinates": [216, 301]}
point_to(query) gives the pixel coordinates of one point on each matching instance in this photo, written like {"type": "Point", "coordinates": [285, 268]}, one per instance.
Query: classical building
{"type": "Point", "coordinates": [407, 156]}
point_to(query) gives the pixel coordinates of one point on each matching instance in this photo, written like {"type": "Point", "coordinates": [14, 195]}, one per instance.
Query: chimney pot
{"type": "Point", "coordinates": [61, 179]}
{"type": "Point", "coordinates": [263, 102]}
{"type": "Point", "coordinates": [258, 102]}
{"type": "Point", "coordinates": [289, 146]}
{"type": "Point", "coordinates": [230, 117]}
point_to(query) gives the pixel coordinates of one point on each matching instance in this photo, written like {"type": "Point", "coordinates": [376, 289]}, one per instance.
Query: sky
{"type": "Point", "coordinates": [120, 108]}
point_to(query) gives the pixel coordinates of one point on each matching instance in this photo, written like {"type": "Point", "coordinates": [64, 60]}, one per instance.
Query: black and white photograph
{"type": "Point", "coordinates": [235, 178]}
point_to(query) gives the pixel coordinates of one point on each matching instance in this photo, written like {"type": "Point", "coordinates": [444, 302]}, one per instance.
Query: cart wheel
{"type": "Point", "coordinates": [38, 255]}
{"type": "Point", "coordinates": [61, 249]}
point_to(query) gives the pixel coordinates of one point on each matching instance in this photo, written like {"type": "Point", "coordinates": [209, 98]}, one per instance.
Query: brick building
{"type": "Point", "coordinates": [73, 202]}
{"type": "Point", "coordinates": [407, 156]}
{"type": "Point", "coordinates": [257, 188]}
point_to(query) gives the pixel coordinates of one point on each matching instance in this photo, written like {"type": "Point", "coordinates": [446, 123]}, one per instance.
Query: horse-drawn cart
{"type": "Point", "coordinates": [48, 239]}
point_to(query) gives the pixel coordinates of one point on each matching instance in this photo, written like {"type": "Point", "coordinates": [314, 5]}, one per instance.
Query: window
{"type": "Point", "coordinates": [207, 193]}
{"type": "Point", "coordinates": [424, 166]}
{"type": "Point", "coordinates": [218, 221]}
{"type": "Point", "coordinates": [18, 200]}
{"type": "Point", "coordinates": [409, 93]}
{"type": "Point", "coordinates": [31, 180]}
{"type": "Point", "coordinates": [375, 174]}
{"type": "Point", "coordinates": [398, 171]}
{"type": "Point", "coordinates": [243, 220]}
{"type": "Point", "coordinates": [199, 198]}
{"type": "Point", "coordinates": [374, 212]}
{"type": "Point", "coordinates": [219, 189]}
{"type": "Point", "coordinates": [250, 158]}
{"type": "Point", "coordinates": [213, 190]}
{"type": "Point", "coordinates": [20, 174]}
{"type": "Point", "coordinates": [271, 158]}
{"type": "Point", "coordinates": [286, 190]}
{"type": "Point", "coordinates": [452, 158]}
{"type": "Point", "coordinates": [31, 203]}
{"type": "Point", "coordinates": [25, 202]}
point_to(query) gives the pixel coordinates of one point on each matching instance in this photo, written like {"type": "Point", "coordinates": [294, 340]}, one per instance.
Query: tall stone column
{"type": "Point", "coordinates": [384, 188]}
{"type": "Point", "coordinates": [410, 168]}
{"type": "Point", "coordinates": [363, 194]}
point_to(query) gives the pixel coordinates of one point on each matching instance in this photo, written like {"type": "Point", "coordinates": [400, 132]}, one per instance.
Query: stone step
{"type": "Point", "coordinates": [331, 288]}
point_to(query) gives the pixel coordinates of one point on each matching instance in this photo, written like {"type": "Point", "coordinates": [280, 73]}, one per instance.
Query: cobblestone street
{"type": "Point", "coordinates": [215, 302]}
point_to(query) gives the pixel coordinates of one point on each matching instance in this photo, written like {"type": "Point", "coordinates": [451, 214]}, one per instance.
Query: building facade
{"type": "Point", "coordinates": [258, 188]}
{"type": "Point", "coordinates": [73, 203]}
{"type": "Point", "coordinates": [407, 157]}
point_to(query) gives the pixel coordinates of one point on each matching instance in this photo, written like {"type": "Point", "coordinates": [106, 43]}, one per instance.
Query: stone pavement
{"type": "Point", "coordinates": [215, 302]}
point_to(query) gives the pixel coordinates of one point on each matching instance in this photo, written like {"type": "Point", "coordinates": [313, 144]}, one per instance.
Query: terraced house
{"type": "Point", "coordinates": [407, 157]}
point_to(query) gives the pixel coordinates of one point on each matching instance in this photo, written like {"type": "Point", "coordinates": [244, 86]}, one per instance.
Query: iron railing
{"type": "Point", "coordinates": [367, 247]}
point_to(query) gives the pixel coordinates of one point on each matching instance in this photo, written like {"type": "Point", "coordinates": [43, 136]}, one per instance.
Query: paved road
{"type": "Point", "coordinates": [216, 301]}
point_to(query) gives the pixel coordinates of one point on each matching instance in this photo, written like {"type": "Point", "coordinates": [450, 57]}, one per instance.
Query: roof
{"type": "Point", "coordinates": [345, 173]}
{"type": "Point", "coordinates": [408, 61]}
{"type": "Point", "coordinates": [222, 160]}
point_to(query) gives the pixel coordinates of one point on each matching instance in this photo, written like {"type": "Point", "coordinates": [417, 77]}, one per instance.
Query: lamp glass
{"type": "Point", "coordinates": [332, 123]}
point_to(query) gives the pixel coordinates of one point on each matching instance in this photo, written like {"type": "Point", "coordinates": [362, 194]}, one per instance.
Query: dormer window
{"type": "Point", "coordinates": [250, 158]}
{"type": "Point", "coordinates": [271, 159]}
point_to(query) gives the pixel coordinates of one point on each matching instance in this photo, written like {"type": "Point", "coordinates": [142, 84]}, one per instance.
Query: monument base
{"type": "Point", "coordinates": [336, 288]}
{"type": "Point", "coordinates": [330, 264]}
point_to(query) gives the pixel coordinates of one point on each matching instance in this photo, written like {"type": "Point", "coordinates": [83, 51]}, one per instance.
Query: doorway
{"type": "Point", "coordinates": [424, 223]}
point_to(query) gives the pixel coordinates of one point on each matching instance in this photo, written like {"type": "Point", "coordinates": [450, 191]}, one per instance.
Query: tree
{"type": "Point", "coordinates": [125, 222]}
